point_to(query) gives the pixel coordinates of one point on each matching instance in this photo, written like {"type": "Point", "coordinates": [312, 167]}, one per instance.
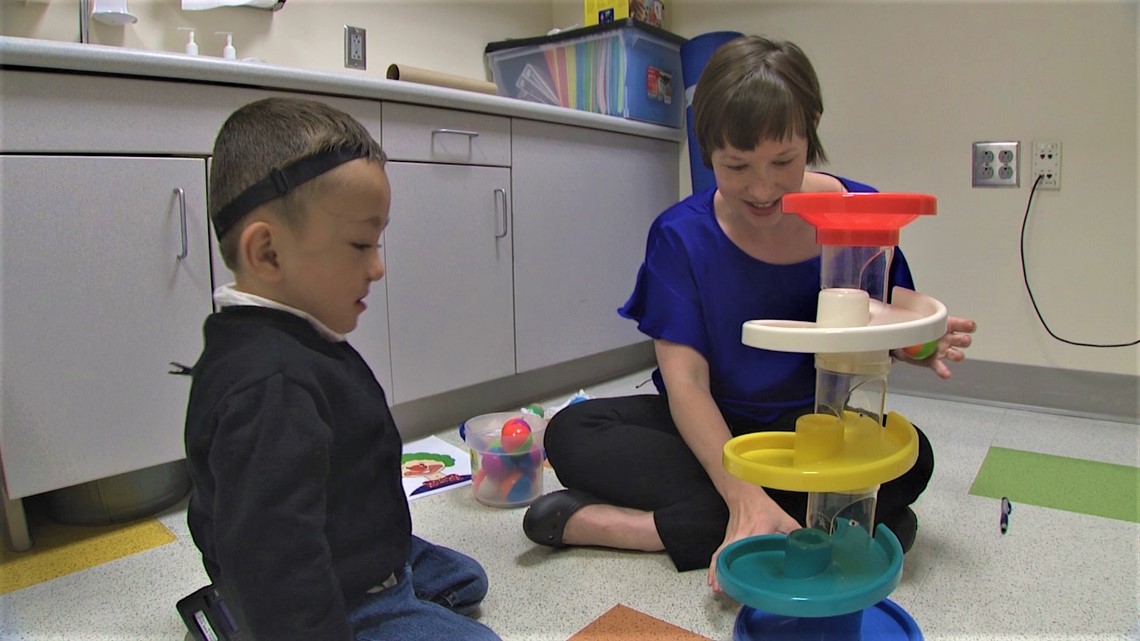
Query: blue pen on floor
{"type": "Point", "coordinates": [1006, 508]}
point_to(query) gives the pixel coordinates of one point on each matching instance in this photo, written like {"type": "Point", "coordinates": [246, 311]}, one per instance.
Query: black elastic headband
{"type": "Point", "coordinates": [280, 181]}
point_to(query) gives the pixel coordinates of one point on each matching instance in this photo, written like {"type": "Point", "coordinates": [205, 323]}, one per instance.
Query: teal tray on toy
{"type": "Point", "coordinates": [810, 573]}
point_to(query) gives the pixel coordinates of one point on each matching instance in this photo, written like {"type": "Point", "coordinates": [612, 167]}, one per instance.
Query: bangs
{"type": "Point", "coordinates": [761, 108]}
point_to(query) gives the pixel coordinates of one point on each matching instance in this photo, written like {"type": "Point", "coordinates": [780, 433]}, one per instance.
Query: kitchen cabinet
{"type": "Point", "coordinates": [448, 249]}
{"type": "Point", "coordinates": [104, 280]}
{"type": "Point", "coordinates": [449, 277]}
{"type": "Point", "coordinates": [583, 204]}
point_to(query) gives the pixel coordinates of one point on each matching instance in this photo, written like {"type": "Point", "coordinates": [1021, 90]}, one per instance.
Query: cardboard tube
{"type": "Point", "coordinates": [202, 5]}
{"type": "Point", "coordinates": [440, 79]}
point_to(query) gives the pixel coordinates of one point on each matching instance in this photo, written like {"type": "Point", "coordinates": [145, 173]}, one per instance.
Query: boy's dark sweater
{"type": "Point", "coordinates": [297, 504]}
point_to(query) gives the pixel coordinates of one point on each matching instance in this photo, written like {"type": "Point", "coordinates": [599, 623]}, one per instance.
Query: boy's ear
{"type": "Point", "coordinates": [257, 251]}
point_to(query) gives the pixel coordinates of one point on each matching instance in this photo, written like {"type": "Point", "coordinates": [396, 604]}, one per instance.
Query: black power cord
{"type": "Point", "coordinates": [1025, 277]}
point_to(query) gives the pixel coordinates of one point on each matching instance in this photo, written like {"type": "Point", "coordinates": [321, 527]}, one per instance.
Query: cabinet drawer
{"type": "Point", "coordinates": [426, 134]}
{"type": "Point", "coordinates": [127, 115]}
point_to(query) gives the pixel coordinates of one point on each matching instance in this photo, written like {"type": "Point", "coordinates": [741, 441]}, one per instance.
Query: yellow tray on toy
{"type": "Point", "coordinates": [825, 454]}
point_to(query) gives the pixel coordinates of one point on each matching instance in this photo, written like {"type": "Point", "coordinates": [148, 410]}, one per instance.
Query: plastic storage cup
{"type": "Point", "coordinates": [506, 458]}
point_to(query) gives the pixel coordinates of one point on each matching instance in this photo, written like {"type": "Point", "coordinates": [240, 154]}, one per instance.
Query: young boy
{"type": "Point", "coordinates": [297, 503]}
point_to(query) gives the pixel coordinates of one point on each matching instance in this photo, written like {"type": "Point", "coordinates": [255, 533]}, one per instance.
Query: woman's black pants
{"type": "Point", "coordinates": [626, 451]}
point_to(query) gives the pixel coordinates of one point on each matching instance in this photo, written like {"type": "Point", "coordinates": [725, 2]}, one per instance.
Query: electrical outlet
{"type": "Point", "coordinates": [995, 164]}
{"type": "Point", "coordinates": [355, 50]}
{"type": "Point", "coordinates": [1047, 164]}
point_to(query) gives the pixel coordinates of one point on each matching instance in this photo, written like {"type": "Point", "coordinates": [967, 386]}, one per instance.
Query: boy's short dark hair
{"type": "Point", "coordinates": [269, 134]}
{"type": "Point", "coordinates": [756, 89]}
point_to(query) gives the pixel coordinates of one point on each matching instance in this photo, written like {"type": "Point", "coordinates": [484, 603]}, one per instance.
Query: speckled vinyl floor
{"type": "Point", "coordinates": [1054, 575]}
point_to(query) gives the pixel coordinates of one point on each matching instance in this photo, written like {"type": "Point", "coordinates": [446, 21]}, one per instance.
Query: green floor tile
{"type": "Point", "coordinates": [1075, 485]}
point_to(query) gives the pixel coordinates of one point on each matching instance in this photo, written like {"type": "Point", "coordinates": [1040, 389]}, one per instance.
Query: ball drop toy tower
{"type": "Point", "coordinates": [830, 580]}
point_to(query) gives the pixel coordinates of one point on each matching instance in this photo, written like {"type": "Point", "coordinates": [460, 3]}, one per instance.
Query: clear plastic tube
{"type": "Point", "coordinates": [824, 509]}
{"type": "Point", "coordinates": [837, 393]}
{"type": "Point", "coordinates": [851, 267]}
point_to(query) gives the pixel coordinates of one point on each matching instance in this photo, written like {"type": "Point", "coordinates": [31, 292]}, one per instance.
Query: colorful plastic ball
{"type": "Point", "coordinates": [536, 409]}
{"type": "Point", "coordinates": [516, 435]}
{"type": "Point", "coordinates": [487, 489]}
{"type": "Point", "coordinates": [520, 490]}
{"type": "Point", "coordinates": [494, 464]}
{"type": "Point", "coordinates": [528, 461]}
{"type": "Point", "coordinates": [921, 352]}
{"type": "Point", "coordinates": [508, 483]}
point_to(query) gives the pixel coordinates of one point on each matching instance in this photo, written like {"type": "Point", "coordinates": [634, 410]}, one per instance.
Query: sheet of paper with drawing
{"type": "Point", "coordinates": [432, 465]}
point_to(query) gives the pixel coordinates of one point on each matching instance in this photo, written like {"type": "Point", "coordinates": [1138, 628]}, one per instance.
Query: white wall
{"type": "Point", "coordinates": [567, 13]}
{"type": "Point", "coordinates": [444, 35]}
{"type": "Point", "coordinates": [908, 86]}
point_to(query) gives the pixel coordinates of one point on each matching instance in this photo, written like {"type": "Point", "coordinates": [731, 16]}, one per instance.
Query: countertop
{"type": "Point", "coordinates": [47, 55]}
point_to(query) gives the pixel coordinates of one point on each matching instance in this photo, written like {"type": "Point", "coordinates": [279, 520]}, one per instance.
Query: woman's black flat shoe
{"type": "Point", "coordinates": [546, 518]}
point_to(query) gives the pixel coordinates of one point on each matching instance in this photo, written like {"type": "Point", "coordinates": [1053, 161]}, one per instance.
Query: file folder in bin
{"type": "Point", "coordinates": [623, 68]}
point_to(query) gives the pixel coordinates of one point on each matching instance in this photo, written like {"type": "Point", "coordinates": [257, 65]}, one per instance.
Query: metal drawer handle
{"type": "Point", "coordinates": [457, 132]}
{"type": "Point", "coordinates": [182, 214]}
{"type": "Point", "coordinates": [501, 208]}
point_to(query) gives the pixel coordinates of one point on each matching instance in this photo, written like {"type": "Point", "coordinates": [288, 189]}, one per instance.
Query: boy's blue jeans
{"type": "Point", "coordinates": [429, 601]}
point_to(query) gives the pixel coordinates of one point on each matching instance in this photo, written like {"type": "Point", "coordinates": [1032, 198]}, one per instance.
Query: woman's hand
{"type": "Point", "coordinates": [752, 513]}
{"type": "Point", "coordinates": [950, 347]}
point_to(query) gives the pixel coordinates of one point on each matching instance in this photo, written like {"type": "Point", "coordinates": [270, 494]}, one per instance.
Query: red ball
{"type": "Point", "coordinates": [516, 435]}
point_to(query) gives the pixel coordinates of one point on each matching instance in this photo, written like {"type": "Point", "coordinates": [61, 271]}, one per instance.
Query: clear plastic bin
{"type": "Point", "coordinates": [506, 465]}
{"type": "Point", "coordinates": [622, 68]}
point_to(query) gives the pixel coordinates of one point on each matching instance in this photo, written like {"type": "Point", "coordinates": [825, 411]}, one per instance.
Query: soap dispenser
{"type": "Point", "coordinates": [191, 46]}
{"type": "Point", "coordinates": [228, 52]}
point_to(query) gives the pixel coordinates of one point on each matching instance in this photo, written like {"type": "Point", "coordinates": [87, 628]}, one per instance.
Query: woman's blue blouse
{"type": "Point", "coordinates": [697, 288]}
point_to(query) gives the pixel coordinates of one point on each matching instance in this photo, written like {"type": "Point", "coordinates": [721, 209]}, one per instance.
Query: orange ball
{"type": "Point", "coordinates": [920, 352]}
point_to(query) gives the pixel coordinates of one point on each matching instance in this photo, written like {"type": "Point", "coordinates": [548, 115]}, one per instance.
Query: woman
{"type": "Point", "coordinates": [645, 472]}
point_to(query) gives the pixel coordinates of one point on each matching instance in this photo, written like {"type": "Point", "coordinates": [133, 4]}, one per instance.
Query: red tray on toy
{"type": "Point", "coordinates": [859, 219]}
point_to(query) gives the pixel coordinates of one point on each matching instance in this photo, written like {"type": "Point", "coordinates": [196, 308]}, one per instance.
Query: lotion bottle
{"type": "Point", "coordinates": [191, 46]}
{"type": "Point", "coordinates": [228, 52]}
